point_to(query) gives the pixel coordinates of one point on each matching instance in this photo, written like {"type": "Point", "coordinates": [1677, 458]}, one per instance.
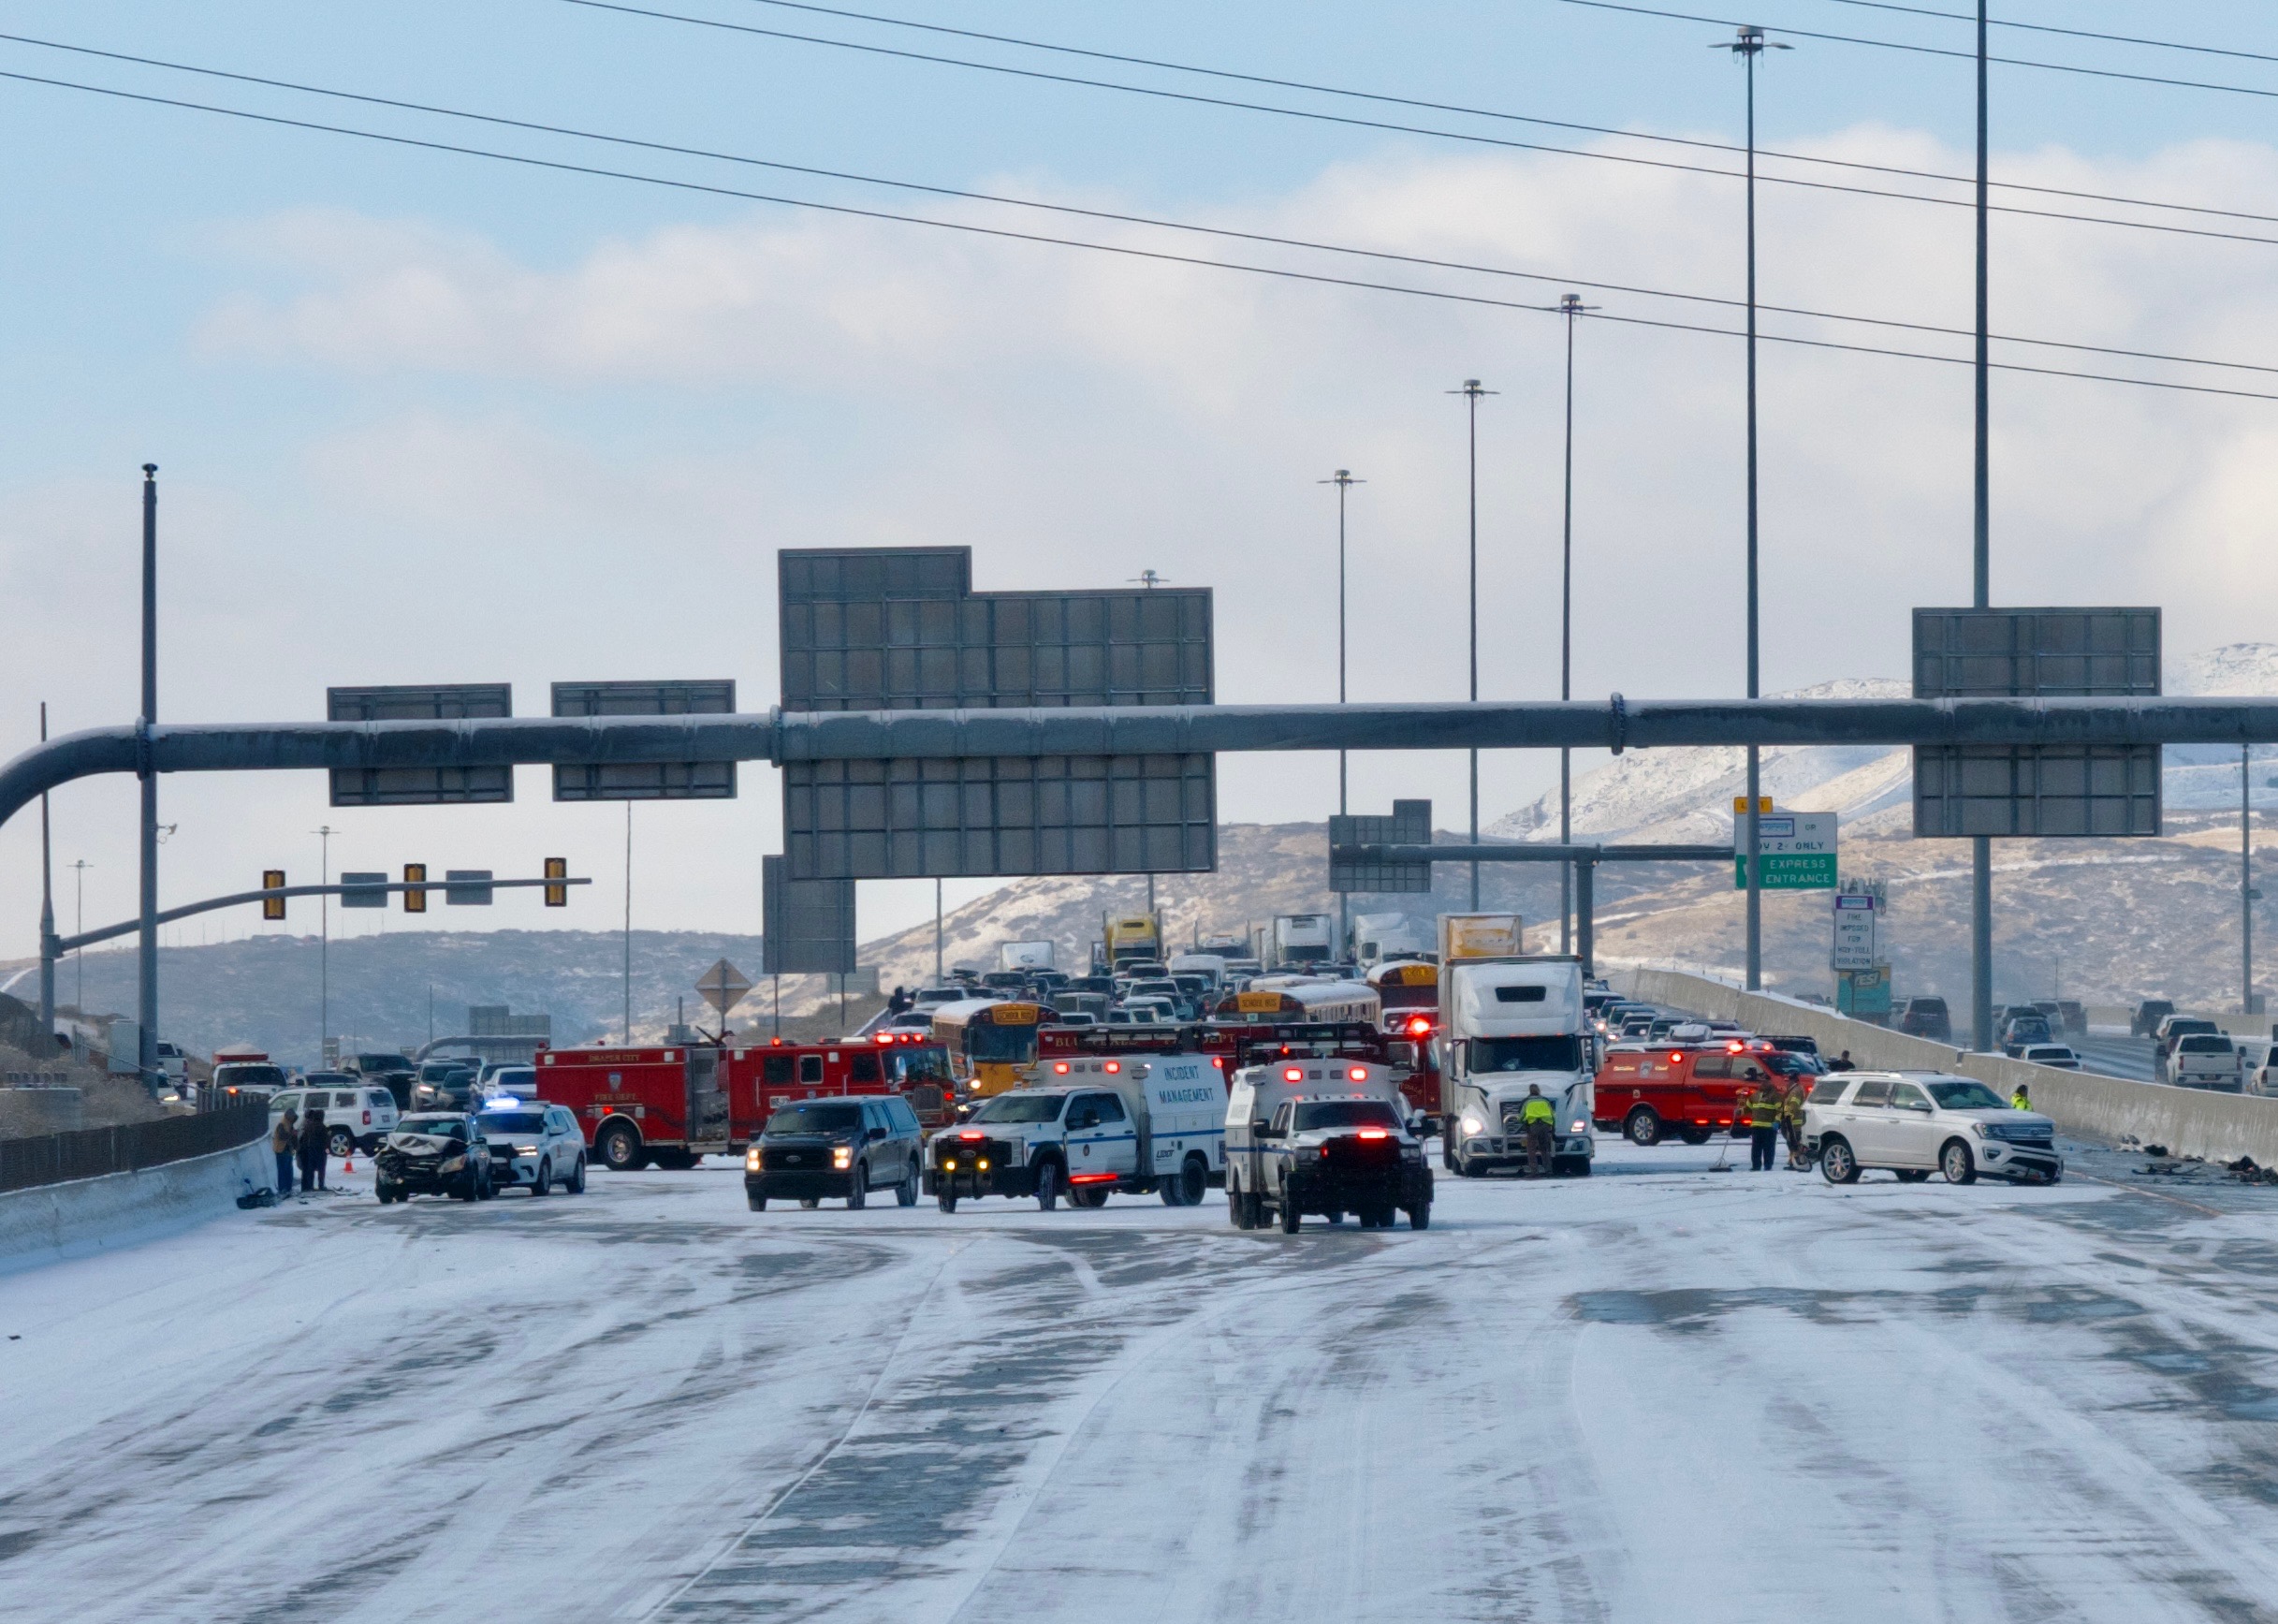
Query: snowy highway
{"type": "Point", "coordinates": [1666, 1393]}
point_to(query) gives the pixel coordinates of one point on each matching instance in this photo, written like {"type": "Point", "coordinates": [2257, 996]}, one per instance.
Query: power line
{"type": "Point", "coordinates": [1119, 250]}
{"type": "Point", "coordinates": [1936, 51]}
{"type": "Point", "coordinates": [1351, 122]}
{"type": "Point", "coordinates": [2043, 28]}
{"type": "Point", "coordinates": [1115, 217]}
{"type": "Point", "coordinates": [1391, 100]}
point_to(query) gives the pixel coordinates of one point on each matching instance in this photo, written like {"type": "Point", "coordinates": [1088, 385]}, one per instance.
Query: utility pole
{"type": "Point", "coordinates": [1471, 394]}
{"type": "Point", "coordinates": [1570, 305]}
{"type": "Point", "coordinates": [2246, 880]}
{"type": "Point", "coordinates": [1981, 846]}
{"type": "Point", "coordinates": [78, 926]}
{"type": "Point", "coordinates": [1748, 45]}
{"type": "Point", "coordinates": [146, 1001]}
{"type": "Point", "coordinates": [324, 942]}
{"type": "Point", "coordinates": [47, 919]}
{"type": "Point", "coordinates": [1344, 481]}
{"type": "Point", "coordinates": [937, 935]}
{"type": "Point", "coordinates": [628, 924]}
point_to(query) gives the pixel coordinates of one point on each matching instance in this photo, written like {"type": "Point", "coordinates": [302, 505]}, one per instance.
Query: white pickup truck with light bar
{"type": "Point", "coordinates": [1090, 1126]}
{"type": "Point", "coordinates": [1323, 1134]}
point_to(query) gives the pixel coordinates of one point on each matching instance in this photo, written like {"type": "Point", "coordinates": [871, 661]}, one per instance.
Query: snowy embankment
{"type": "Point", "coordinates": [81, 1215]}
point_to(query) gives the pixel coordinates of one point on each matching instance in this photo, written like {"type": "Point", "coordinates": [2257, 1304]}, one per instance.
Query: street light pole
{"type": "Point", "coordinates": [2246, 880]}
{"type": "Point", "coordinates": [1981, 847]}
{"type": "Point", "coordinates": [79, 916]}
{"type": "Point", "coordinates": [146, 1000]}
{"type": "Point", "coordinates": [47, 919]}
{"type": "Point", "coordinates": [1570, 305]}
{"type": "Point", "coordinates": [324, 942]}
{"type": "Point", "coordinates": [1748, 45]}
{"type": "Point", "coordinates": [1344, 481]}
{"type": "Point", "coordinates": [1471, 394]}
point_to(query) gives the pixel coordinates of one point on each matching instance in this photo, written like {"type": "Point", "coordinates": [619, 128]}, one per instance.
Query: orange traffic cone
{"type": "Point", "coordinates": [347, 1163]}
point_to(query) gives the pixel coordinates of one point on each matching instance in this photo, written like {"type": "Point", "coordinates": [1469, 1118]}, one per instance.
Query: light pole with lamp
{"type": "Point", "coordinates": [1748, 45]}
{"type": "Point", "coordinates": [1344, 481]}
{"type": "Point", "coordinates": [1570, 306]}
{"type": "Point", "coordinates": [324, 944]}
{"type": "Point", "coordinates": [1472, 391]}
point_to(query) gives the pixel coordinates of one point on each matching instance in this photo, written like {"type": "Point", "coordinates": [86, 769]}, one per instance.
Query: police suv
{"type": "Point", "coordinates": [1328, 1135]}
{"type": "Point", "coordinates": [1134, 1122]}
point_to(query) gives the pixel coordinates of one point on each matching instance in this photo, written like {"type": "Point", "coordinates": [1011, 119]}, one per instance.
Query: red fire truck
{"type": "Point", "coordinates": [1690, 1091]}
{"type": "Point", "coordinates": [670, 1105]}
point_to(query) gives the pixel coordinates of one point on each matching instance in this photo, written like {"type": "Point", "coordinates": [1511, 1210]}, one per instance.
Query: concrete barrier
{"type": "Point", "coordinates": [52, 1220]}
{"type": "Point", "coordinates": [2188, 1121]}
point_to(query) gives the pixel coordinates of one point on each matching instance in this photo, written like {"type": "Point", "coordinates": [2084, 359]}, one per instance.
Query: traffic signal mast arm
{"type": "Point", "coordinates": [238, 899]}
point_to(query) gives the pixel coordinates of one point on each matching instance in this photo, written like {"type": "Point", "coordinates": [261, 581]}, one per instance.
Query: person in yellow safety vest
{"type": "Point", "coordinates": [2021, 1100]}
{"type": "Point", "coordinates": [1792, 1123]}
{"type": "Point", "coordinates": [1760, 1109]}
{"type": "Point", "coordinates": [1538, 1122]}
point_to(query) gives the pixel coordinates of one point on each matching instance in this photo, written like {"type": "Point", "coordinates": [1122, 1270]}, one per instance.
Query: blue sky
{"type": "Point", "coordinates": [423, 417]}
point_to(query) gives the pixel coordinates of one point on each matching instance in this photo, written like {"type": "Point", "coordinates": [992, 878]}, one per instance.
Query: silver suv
{"type": "Point", "coordinates": [1915, 1123]}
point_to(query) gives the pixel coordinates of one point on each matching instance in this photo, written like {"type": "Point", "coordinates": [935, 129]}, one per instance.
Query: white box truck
{"type": "Point", "coordinates": [1300, 939]}
{"type": "Point", "coordinates": [1025, 956]}
{"type": "Point", "coordinates": [1507, 1025]}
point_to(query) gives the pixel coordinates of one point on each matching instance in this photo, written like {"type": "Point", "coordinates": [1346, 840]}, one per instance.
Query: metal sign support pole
{"type": "Point", "coordinates": [2246, 880]}
{"type": "Point", "coordinates": [1981, 848]}
{"type": "Point", "coordinates": [46, 919]}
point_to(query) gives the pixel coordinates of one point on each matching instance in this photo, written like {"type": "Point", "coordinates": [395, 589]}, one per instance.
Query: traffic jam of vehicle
{"type": "Point", "coordinates": [1265, 1071]}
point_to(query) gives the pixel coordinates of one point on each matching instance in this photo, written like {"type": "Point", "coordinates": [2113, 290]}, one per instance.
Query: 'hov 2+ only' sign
{"type": "Point", "coordinates": [1796, 849]}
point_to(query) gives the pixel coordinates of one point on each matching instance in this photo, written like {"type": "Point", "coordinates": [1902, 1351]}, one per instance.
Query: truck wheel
{"type": "Point", "coordinates": [859, 1196]}
{"type": "Point", "coordinates": [945, 1201]}
{"type": "Point", "coordinates": [1955, 1162]}
{"type": "Point", "coordinates": [1238, 1209]}
{"type": "Point", "coordinates": [545, 1179]}
{"type": "Point", "coordinates": [1837, 1166]}
{"type": "Point", "coordinates": [756, 1202]}
{"type": "Point", "coordinates": [1290, 1218]}
{"type": "Point", "coordinates": [1193, 1182]}
{"type": "Point", "coordinates": [1419, 1216]}
{"type": "Point", "coordinates": [1644, 1128]}
{"type": "Point", "coordinates": [618, 1148]}
{"type": "Point", "coordinates": [1047, 1185]}
{"type": "Point", "coordinates": [1693, 1135]}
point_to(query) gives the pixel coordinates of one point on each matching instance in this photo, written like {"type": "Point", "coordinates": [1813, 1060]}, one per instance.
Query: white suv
{"type": "Point", "coordinates": [1915, 1123]}
{"type": "Point", "coordinates": [357, 1115]}
{"type": "Point", "coordinates": [534, 1145]}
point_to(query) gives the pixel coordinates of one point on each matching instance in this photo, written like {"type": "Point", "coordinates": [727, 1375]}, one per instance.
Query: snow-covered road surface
{"type": "Point", "coordinates": [1661, 1394]}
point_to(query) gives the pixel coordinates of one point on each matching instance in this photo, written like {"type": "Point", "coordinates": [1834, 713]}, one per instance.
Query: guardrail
{"type": "Point", "coordinates": [35, 1079]}
{"type": "Point", "coordinates": [92, 1153]}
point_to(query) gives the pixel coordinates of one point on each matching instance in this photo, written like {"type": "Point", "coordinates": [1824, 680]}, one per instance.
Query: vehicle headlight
{"type": "Point", "coordinates": [1983, 1131]}
{"type": "Point", "coordinates": [982, 1165]}
{"type": "Point", "coordinates": [1472, 1124]}
{"type": "Point", "coordinates": [751, 1160]}
{"type": "Point", "coordinates": [841, 1156]}
{"type": "Point", "coordinates": [1578, 1126]}
{"type": "Point", "coordinates": [454, 1161]}
{"type": "Point", "coordinates": [525, 1149]}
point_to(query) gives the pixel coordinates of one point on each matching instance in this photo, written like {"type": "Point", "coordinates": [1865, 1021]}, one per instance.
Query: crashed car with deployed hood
{"type": "Point", "coordinates": [434, 1153]}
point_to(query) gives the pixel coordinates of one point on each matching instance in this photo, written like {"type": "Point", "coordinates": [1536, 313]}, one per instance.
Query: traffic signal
{"type": "Point", "coordinates": [557, 869]}
{"type": "Point", "coordinates": [272, 880]}
{"type": "Point", "coordinates": [414, 901]}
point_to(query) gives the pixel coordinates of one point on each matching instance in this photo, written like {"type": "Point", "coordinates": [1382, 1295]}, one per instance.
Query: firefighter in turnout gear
{"type": "Point", "coordinates": [1792, 1124]}
{"type": "Point", "coordinates": [1759, 1107]}
{"type": "Point", "coordinates": [1538, 1121]}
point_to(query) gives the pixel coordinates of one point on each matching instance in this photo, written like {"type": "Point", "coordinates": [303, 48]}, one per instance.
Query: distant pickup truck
{"type": "Point", "coordinates": [2205, 1059]}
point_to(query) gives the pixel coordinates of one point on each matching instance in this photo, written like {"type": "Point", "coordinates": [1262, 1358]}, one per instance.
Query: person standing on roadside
{"type": "Point", "coordinates": [312, 1135]}
{"type": "Point", "coordinates": [1760, 1108]}
{"type": "Point", "coordinates": [1792, 1123]}
{"type": "Point", "coordinates": [283, 1142]}
{"type": "Point", "coordinates": [2021, 1100]}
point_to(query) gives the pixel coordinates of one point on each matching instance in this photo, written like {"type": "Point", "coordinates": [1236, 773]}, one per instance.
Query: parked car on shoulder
{"type": "Point", "coordinates": [2051, 1054]}
{"type": "Point", "coordinates": [836, 1148]}
{"type": "Point", "coordinates": [357, 1114]}
{"type": "Point", "coordinates": [434, 1153]}
{"type": "Point", "coordinates": [2149, 1013]}
{"type": "Point", "coordinates": [1917, 1123]}
{"type": "Point", "coordinates": [535, 1146]}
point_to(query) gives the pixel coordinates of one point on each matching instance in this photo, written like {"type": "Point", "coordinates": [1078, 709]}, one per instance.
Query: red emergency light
{"type": "Point", "coordinates": [1292, 1074]}
{"type": "Point", "coordinates": [1734, 1047]}
{"type": "Point", "coordinates": [972, 1134]}
{"type": "Point", "coordinates": [1113, 1066]}
{"type": "Point", "coordinates": [1059, 1068]}
{"type": "Point", "coordinates": [1418, 1025]}
{"type": "Point", "coordinates": [1374, 1134]}
{"type": "Point", "coordinates": [885, 1037]}
{"type": "Point", "coordinates": [1358, 1073]}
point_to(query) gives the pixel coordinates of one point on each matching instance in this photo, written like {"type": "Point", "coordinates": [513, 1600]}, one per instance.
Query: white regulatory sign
{"type": "Point", "coordinates": [1854, 933]}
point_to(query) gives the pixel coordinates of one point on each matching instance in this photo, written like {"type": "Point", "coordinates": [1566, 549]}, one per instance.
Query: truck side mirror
{"type": "Point", "coordinates": [1261, 1129]}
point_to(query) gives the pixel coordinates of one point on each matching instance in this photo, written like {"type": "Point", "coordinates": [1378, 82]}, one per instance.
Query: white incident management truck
{"type": "Point", "coordinates": [1507, 1024]}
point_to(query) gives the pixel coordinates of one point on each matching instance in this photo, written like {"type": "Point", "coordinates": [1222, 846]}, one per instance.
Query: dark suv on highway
{"type": "Point", "coordinates": [834, 1149]}
{"type": "Point", "coordinates": [1926, 1017]}
{"type": "Point", "coordinates": [2149, 1013]}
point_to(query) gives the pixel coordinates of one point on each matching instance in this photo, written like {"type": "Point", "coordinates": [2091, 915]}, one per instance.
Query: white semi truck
{"type": "Point", "coordinates": [1025, 956]}
{"type": "Point", "coordinates": [1507, 1024]}
{"type": "Point", "coordinates": [1299, 939]}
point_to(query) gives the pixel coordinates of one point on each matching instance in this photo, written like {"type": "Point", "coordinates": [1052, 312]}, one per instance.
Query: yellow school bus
{"type": "Point", "coordinates": [991, 1042]}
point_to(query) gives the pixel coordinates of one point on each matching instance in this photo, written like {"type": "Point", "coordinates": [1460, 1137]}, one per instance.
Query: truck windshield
{"type": "Point", "coordinates": [1555, 1052]}
{"type": "Point", "coordinates": [815, 1120]}
{"type": "Point", "coordinates": [433, 1127]}
{"type": "Point", "coordinates": [909, 1067]}
{"type": "Point", "coordinates": [1021, 1109]}
{"type": "Point", "coordinates": [1016, 1044]}
{"type": "Point", "coordinates": [249, 1075]}
{"type": "Point", "coordinates": [383, 1062]}
{"type": "Point", "coordinates": [1344, 1114]}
